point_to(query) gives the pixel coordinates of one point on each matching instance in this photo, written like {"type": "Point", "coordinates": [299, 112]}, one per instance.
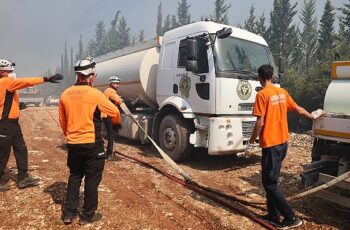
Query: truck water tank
{"type": "Point", "coordinates": [137, 69]}
{"type": "Point", "coordinates": [338, 92]}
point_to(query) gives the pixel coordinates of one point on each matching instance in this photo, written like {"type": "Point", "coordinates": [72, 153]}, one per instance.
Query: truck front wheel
{"type": "Point", "coordinates": [174, 134]}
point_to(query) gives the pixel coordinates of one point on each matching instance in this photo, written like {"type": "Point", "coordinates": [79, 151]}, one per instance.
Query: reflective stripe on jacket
{"type": "Point", "coordinates": [9, 100]}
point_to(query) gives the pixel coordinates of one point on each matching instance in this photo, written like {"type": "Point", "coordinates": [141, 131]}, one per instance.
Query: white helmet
{"type": "Point", "coordinates": [114, 79]}
{"type": "Point", "coordinates": [6, 65]}
{"type": "Point", "coordinates": [85, 66]}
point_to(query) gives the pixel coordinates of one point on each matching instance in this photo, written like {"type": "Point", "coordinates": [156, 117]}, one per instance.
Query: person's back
{"type": "Point", "coordinates": [81, 103]}
{"type": "Point", "coordinates": [80, 110]}
{"type": "Point", "coordinates": [273, 103]}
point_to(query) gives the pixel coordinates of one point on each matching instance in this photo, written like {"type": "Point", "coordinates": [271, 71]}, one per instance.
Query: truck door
{"type": "Point", "coordinates": [198, 91]}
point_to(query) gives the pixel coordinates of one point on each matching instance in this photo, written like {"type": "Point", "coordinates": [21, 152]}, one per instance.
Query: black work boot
{"type": "Point", "coordinates": [4, 187]}
{"type": "Point", "coordinates": [96, 217]}
{"type": "Point", "coordinates": [3, 184]}
{"type": "Point", "coordinates": [68, 219]}
{"type": "Point", "coordinates": [28, 182]}
{"type": "Point", "coordinates": [113, 157]}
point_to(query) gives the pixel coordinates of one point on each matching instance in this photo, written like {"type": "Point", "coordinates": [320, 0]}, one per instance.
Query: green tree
{"type": "Point", "coordinates": [90, 49]}
{"type": "Point", "coordinates": [326, 32]}
{"type": "Point", "coordinates": [309, 34]}
{"type": "Point", "coordinates": [100, 33]}
{"type": "Point", "coordinates": [113, 35]}
{"type": "Point", "coordinates": [159, 29]}
{"type": "Point", "coordinates": [282, 39]}
{"type": "Point", "coordinates": [221, 11]}
{"type": "Point", "coordinates": [260, 26]}
{"type": "Point", "coordinates": [124, 33]}
{"type": "Point", "coordinates": [167, 24]}
{"type": "Point", "coordinates": [133, 41]}
{"type": "Point", "coordinates": [183, 14]}
{"type": "Point", "coordinates": [141, 36]}
{"type": "Point", "coordinates": [251, 23]}
{"type": "Point", "coordinates": [79, 55]}
{"type": "Point", "coordinates": [346, 21]}
{"type": "Point", "coordinates": [174, 24]}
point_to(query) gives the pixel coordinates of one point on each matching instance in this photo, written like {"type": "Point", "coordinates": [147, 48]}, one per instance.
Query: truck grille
{"type": "Point", "coordinates": [247, 128]}
{"type": "Point", "coordinates": [245, 106]}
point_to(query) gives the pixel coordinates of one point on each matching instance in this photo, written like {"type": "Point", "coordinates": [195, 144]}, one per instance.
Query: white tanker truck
{"type": "Point", "coordinates": [331, 148]}
{"type": "Point", "coordinates": [194, 87]}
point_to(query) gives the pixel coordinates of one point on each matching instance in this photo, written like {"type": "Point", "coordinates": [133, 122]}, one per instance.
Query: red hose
{"type": "Point", "coordinates": [202, 191]}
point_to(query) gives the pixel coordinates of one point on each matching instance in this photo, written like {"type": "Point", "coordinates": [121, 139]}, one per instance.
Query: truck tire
{"type": "Point", "coordinates": [174, 135]}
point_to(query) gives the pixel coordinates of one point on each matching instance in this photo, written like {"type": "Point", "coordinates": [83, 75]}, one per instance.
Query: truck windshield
{"type": "Point", "coordinates": [241, 56]}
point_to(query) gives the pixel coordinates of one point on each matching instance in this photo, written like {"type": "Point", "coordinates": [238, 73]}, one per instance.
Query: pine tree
{"type": "Point", "coordinates": [99, 38]}
{"type": "Point", "coordinates": [220, 13]}
{"type": "Point", "coordinates": [159, 29]}
{"type": "Point", "coordinates": [99, 31]}
{"type": "Point", "coordinates": [133, 41]}
{"type": "Point", "coordinates": [326, 32]}
{"type": "Point", "coordinates": [174, 24]}
{"type": "Point", "coordinates": [124, 33]}
{"type": "Point", "coordinates": [79, 55]}
{"type": "Point", "coordinates": [250, 23]}
{"type": "Point", "coordinates": [346, 21]}
{"type": "Point", "coordinates": [183, 14]}
{"type": "Point", "coordinates": [71, 65]}
{"type": "Point", "coordinates": [113, 35]}
{"type": "Point", "coordinates": [90, 49]}
{"type": "Point", "coordinates": [167, 24]}
{"type": "Point", "coordinates": [282, 39]}
{"type": "Point", "coordinates": [141, 36]}
{"type": "Point", "coordinates": [260, 26]}
{"type": "Point", "coordinates": [309, 34]}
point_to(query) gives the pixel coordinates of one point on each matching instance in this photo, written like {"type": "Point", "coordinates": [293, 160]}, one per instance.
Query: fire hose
{"type": "Point", "coordinates": [203, 191]}
{"type": "Point", "coordinates": [172, 164]}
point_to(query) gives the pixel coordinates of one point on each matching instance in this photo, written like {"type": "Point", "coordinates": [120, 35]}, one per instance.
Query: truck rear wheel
{"type": "Point", "coordinates": [174, 135]}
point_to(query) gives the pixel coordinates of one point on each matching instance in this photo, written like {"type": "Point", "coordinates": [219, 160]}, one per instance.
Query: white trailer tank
{"type": "Point", "coordinates": [136, 66]}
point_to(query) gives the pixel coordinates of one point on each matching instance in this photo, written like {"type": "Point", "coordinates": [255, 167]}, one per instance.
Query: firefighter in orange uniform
{"type": "Point", "coordinates": [10, 130]}
{"type": "Point", "coordinates": [80, 110]}
{"type": "Point", "coordinates": [112, 95]}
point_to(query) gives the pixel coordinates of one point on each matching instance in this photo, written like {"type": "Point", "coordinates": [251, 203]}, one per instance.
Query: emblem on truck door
{"type": "Point", "coordinates": [244, 90]}
{"type": "Point", "coordinates": [185, 86]}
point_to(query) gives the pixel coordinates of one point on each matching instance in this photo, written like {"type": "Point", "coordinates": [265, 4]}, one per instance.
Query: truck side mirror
{"type": "Point", "coordinates": [224, 33]}
{"type": "Point", "coordinates": [191, 59]}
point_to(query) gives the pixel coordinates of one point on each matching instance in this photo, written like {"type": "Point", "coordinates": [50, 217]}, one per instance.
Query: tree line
{"type": "Point", "coordinates": [308, 44]}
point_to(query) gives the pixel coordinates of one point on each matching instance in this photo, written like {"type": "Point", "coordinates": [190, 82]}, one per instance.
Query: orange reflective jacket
{"type": "Point", "coordinates": [113, 96]}
{"type": "Point", "coordinates": [9, 100]}
{"type": "Point", "coordinates": [80, 110]}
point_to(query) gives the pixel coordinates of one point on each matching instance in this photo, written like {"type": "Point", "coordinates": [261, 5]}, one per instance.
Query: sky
{"type": "Point", "coordinates": [33, 33]}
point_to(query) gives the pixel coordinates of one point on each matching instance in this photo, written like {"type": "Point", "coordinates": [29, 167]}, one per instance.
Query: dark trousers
{"type": "Point", "coordinates": [110, 133]}
{"type": "Point", "coordinates": [11, 136]}
{"type": "Point", "coordinates": [271, 163]}
{"type": "Point", "coordinates": [84, 161]}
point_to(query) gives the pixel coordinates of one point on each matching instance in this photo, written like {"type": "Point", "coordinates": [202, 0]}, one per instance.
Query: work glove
{"type": "Point", "coordinates": [317, 113]}
{"type": "Point", "coordinates": [54, 78]}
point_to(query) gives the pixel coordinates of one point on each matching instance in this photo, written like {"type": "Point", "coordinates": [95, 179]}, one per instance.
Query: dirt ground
{"type": "Point", "coordinates": [132, 196]}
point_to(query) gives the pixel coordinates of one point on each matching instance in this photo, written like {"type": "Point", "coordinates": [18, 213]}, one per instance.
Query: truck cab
{"type": "Point", "coordinates": [218, 96]}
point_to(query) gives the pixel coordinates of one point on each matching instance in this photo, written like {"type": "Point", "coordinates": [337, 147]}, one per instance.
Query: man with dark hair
{"type": "Point", "coordinates": [271, 106]}
{"type": "Point", "coordinates": [10, 129]}
{"type": "Point", "coordinates": [80, 110]}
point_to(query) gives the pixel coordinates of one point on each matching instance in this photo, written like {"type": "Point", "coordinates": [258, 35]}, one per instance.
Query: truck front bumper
{"type": "Point", "coordinates": [224, 135]}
